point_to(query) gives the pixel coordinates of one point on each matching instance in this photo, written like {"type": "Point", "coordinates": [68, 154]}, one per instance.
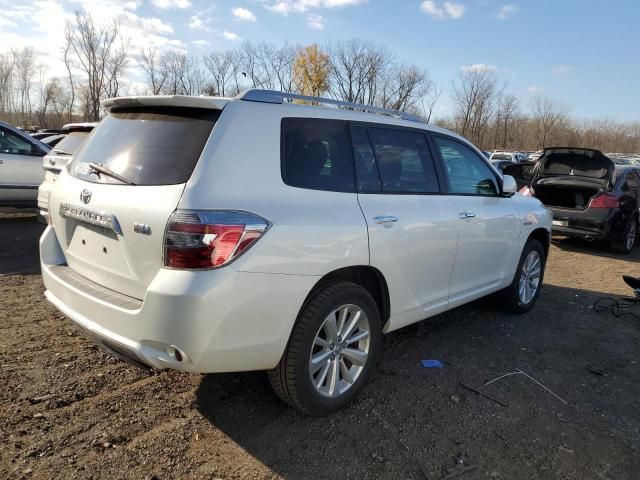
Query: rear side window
{"type": "Point", "coordinates": [316, 154]}
{"type": "Point", "coordinates": [149, 146]}
{"type": "Point", "coordinates": [404, 161]}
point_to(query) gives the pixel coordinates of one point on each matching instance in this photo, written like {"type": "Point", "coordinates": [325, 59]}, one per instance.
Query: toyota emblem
{"type": "Point", "coordinates": [85, 196]}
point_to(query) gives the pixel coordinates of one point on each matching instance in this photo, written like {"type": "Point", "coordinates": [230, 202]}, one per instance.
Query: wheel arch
{"type": "Point", "coordinates": [368, 277]}
{"type": "Point", "coordinates": [543, 236]}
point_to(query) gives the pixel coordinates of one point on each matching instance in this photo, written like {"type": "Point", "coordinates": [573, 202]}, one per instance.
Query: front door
{"type": "Point", "coordinates": [487, 222]}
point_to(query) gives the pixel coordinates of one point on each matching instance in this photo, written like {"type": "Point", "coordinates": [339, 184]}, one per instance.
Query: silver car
{"type": "Point", "coordinates": [20, 167]}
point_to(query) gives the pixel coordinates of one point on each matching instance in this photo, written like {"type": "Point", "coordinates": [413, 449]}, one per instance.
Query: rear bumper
{"type": "Point", "coordinates": [593, 224]}
{"type": "Point", "coordinates": [218, 320]}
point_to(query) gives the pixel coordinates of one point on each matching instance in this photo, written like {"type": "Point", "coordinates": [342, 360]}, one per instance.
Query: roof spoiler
{"type": "Point", "coordinates": [213, 103]}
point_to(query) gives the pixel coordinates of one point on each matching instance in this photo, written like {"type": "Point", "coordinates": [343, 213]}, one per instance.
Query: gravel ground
{"type": "Point", "coordinates": [68, 410]}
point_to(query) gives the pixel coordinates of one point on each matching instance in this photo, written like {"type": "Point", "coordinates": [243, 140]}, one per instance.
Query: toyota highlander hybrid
{"type": "Point", "coordinates": [279, 232]}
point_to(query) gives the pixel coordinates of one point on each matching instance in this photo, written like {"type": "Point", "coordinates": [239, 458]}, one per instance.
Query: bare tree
{"type": "Point", "coordinates": [356, 70]}
{"type": "Point", "coordinates": [505, 120]}
{"type": "Point", "coordinates": [6, 82]}
{"type": "Point", "coordinates": [428, 102]}
{"type": "Point", "coordinates": [474, 96]}
{"type": "Point", "coordinates": [402, 88]}
{"type": "Point", "coordinates": [548, 118]}
{"type": "Point", "coordinates": [220, 68]}
{"type": "Point", "coordinates": [183, 74]}
{"type": "Point", "coordinates": [155, 75]}
{"type": "Point", "coordinates": [25, 68]}
{"type": "Point", "coordinates": [101, 54]}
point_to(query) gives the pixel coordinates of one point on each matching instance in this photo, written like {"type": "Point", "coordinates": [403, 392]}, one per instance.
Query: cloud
{"type": "Point", "coordinates": [197, 23]}
{"type": "Point", "coordinates": [168, 4]}
{"type": "Point", "coordinates": [231, 36]}
{"type": "Point", "coordinates": [533, 89]}
{"type": "Point", "coordinates": [507, 11]}
{"type": "Point", "coordinates": [478, 67]}
{"type": "Point", "coordinates": [316, 21]}
{"type": "Point", "coordinates": [201, 43]}
{"type": "Point", "coordinates": [448, 9]}
{"type": "Point", "coordinates": [562, 70]}
{"type": "Point", "coordinates": [285, 7]}
{"type": "Point", "coordinates": [243, 14]}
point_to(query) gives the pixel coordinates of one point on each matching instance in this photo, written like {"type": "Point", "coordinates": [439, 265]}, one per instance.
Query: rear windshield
{"type": "Point", "coordinates": [71, 142]}
{"type": "Point", "coordinates": [147, 146]}
{"type": "Point", "coordinates": [501, 156]}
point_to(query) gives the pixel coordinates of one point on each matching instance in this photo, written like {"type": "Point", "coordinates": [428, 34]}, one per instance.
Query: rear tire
{"type": "Point", "coordinates": [521, 295]}
{"type": "Point", "coordinates": [321, 372]}
{"type": "Point", "coordinates": [629, 239]}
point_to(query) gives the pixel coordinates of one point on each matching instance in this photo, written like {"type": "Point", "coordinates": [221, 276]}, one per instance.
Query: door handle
{"type": "Point", "coordinates": [464, 215]}
{"type": "Point", "coordinates": [386, 220]}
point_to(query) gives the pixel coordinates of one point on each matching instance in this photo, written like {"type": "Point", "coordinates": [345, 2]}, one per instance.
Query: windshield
{"type": "Point", "coordinates": [501, 156]}
{"type": "Point", "coordinates": [71, 142]}
{"type": "Point", "coordinates": [148, 146]}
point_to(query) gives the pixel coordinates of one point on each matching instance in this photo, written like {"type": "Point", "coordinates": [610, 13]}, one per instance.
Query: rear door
{"type": "Point", "coordinates": [487, 222]}
{"type": "Point", "coordinates": [410, 240]}
{"type": "Point", "coordinates": [111, 232]}
{"type": "Point", "coordinates": [20, 168]}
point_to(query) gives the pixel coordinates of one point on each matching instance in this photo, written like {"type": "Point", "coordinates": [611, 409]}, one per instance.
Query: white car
{"type": "Point", "coordinates": [57, 158]}
{"type": "Point", "coordinates": [20, 167]}
{"type": "Point", "coordinates": [221, 235]}
{"type": "Point", "coordinates": [508, 157]}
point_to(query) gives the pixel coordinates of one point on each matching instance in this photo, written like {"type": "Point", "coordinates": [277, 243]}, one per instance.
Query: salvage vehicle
{"type": "Point", "coordinates": [279, 232]}
{"type": "Point", "coordinates": [20, 167]}
{"type": "Point", "coordinates": [589, 196]}
{"type": "Point", "coordinates": [52, 163]}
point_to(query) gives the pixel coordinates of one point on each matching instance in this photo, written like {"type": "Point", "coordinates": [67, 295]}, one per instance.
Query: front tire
{"type": "Point", "coordinates": [332, 350]}
{"type": "Point", "coordinates": [523, 292]}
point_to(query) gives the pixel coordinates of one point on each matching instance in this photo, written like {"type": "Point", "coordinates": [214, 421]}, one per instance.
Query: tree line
{"type": "Point", "coordinates": [98, 60]}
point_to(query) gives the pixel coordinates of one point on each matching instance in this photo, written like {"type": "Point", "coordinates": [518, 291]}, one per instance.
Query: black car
{"type": "Point", "coordinates": [589, 196]}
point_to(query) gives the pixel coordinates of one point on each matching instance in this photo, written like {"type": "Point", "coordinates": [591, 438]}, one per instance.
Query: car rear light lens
{"type": "Point", "coordinates": [526, 191]}
{"type": "Point", "coordinates": [604, 200]}
{"type": "Point", "coordinates": [200, 239]}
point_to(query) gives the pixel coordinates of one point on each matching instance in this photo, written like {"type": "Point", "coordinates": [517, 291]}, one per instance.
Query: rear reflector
{"type": "Point", "coordinates": [198, 239]}
{"type": "Point", "coordinates": [604, 200]}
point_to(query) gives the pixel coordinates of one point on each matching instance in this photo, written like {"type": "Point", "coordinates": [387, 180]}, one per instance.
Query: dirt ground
{"type": "Point", "coordinates": [68, 410]}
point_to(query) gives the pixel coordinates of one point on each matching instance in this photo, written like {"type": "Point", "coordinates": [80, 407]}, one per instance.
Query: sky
{"type": "Point", "coordinates": [582, 53]}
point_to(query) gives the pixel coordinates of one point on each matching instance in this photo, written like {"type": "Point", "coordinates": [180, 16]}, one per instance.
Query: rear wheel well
{"type": "Point", "coordinates": [369, 278]}
{"type": "Point", "coordinates": [543, 236]}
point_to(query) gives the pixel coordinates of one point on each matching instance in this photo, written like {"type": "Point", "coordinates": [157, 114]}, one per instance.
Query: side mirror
{"type": "Point", "coordinates": [509, 185]}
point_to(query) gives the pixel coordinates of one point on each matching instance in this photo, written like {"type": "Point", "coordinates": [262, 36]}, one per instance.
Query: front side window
{"type": "Point", "coordinates": [403, 161]}
{"type": "Point", "coordinates": [316, 154]}
{"type": "Point", "coordinates": [15, 144]}
{"type": "Point", "coordinates": [467, 173]}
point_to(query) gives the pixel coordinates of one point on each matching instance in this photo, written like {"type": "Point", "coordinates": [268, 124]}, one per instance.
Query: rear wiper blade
{"type": "Point", "coordinates": [96, 167]}
{"type": "Point", "coordinates": [62, 152]}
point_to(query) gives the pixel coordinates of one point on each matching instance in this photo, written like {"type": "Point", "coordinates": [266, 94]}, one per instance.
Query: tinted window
{"type": "Point", "coordinates": [316, 154]}
{"type": "Point", "coordinates": [149, 146]}
{"type": "Point", "coordinates": [15, 144]}
{"type": "Point", "coordinates": [71, 142]}
{"type": "Point", "coordinates": [467, 173]}
{"type": "Point", "coordinates": [403, 160]}
{"type": "Point", "coordinates": [366, 168]}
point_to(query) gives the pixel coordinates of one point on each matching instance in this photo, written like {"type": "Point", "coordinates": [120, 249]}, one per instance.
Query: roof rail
{"type": "Point", "coordinates": [273, 96]}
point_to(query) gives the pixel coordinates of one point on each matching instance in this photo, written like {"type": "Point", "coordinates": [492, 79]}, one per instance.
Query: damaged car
{"type": "Point", "coordinates": [589, 196]}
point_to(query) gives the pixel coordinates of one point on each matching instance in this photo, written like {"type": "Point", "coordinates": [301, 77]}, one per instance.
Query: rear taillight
{"type": "Point", "coordinates": [210, 238]}
{"type": "Point", "coordinates": [526, 191]}
{"type": "Point", "coordinates": [604, 200]}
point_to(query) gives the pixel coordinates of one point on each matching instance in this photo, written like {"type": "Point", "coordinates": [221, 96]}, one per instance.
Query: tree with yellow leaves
{"type": "Point", "coordinates": [311, 71]}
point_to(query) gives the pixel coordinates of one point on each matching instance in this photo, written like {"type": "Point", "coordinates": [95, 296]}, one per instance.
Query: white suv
{"type": "Point", "coordinates": [262, 233]}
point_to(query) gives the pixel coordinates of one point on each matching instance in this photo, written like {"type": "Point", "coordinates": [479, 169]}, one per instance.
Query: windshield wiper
{"type": "Point", "coordinates": [62, 152]}
{"type": "Point", "coordinates": [96, 167]}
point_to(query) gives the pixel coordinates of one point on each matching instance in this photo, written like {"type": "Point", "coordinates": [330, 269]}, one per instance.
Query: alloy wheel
{"type": "Point", "coordinates": [340, 350]}
{"type": "Point", "coordinates": [530, 277]}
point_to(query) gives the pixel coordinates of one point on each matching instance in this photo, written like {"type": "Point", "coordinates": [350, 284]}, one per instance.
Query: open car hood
{"type": "Point", "coordinates": [576, 162]}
